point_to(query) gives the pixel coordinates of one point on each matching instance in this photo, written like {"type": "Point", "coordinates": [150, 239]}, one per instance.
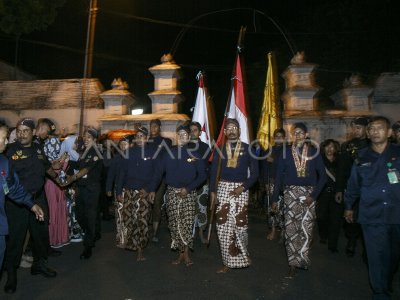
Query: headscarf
{"type": "Point", "coordinates": [67, 146]}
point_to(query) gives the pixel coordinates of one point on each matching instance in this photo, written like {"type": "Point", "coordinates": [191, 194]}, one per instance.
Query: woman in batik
{"type": "Point", "coordinates": [301, 175]}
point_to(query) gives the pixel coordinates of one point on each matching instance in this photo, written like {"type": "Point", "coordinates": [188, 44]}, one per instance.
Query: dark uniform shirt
{"type": "Point", "coordinates": [182, 168]}
{"type": "Point", "coordinates": [30, 164]}
{"type": "Point", "coordinates": [13, 189]}
{"type": "Point", "coordinates": [114, 166]}
{"type": "Point", "coordinates": [200, 147]}
{"type": "Point", "coordinates": [137, 171]}
{"type": "Point", "coordinates": [159, 142]}
{"type": "Point", "coordinates": [369, 182]}
{"type": "Point", "coordinates": [287, 175]}
{"type": "Point", "coordinates": [246, 170]}
{"type": "Point", "coordinates": [267, 168]}
{"type": "Point", "coordinates": [93, 162]}
{"type": "Point", "coordinates": [349, 151]}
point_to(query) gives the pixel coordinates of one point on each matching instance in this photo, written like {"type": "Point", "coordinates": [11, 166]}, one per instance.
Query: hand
{"type": "Point", "coordinates": [37, 210]}
{"type": "Point", "coordinates": [308, 200]}
{"type": "Point", "coordinates": [151, 197]}
{"type": "Point", "coordinates": [339, 197]}
{"type": "Point", "coordinates": [183, 193]}
{"type": "Point", "coordinates": [120, 199]}
{"type": "Point", "coordinates": [56, 164]}
{"type": "Point", "coordinates": [237, 191]}
{"type": "Point", "coordinates": [109, 194]}
{"type": "Point", "coordinates": [274, 207]}
{"type": "Point", "coordinates": [213, 200]}
{"type": "Point", "coordinates": [348, 216]}
{"type": "Point", "coordinates": [143, 193]}
{"type": "Point", "coordinates": [270, 159]}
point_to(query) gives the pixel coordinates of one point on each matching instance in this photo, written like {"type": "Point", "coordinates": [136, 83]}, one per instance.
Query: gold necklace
{"type": "Point", "coordinates": [300, 164]}
{"type": "Point", "coordinates": [232, 161]}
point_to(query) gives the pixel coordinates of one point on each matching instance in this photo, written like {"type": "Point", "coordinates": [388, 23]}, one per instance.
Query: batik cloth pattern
{"type": "Point", "coordinates": [123, 220]}
{"type": "Point", "coordinates": [299, 223]}
{"type": "Point", "coordinates": [232, 223]}
{"type": "Point", "coordinates": [275, 219]}
{"type": "Point", "coordinates": [180, 212]}
{"type": "Point", "coordinates": [138, 225]}
{"type": "Point", "coordinates": [201, 208]}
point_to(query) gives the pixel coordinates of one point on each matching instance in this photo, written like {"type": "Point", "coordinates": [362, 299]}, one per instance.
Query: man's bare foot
{"type": "Point", "coordinates": [140, 256]}
{"type": "Point", "coordinates": [179, 260]}
{"type": "Point", "coordinates": [223, 270]}
{"type": "Point", "coordinates": [271, 235]}
{"type": "Point", "coordinates": [292, 272]}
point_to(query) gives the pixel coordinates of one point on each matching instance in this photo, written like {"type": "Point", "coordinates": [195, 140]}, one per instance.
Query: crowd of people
{"type": "Point", "coordinates": [69, 183]}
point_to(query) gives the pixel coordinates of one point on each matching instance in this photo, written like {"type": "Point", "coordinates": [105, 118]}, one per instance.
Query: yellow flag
{"type": "Point", "coordinates": [270, 116]}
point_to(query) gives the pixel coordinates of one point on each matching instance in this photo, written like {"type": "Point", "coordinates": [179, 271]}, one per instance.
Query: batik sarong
{"type": "Point", "coordinates": [200, 219]}
{"type": "Point", "coordinates": [123, 214]}
{"type": "Point", "coordinates": [180, 212]}
{"type": "Point", "coordinates": [299, 223]}
{"type": "Point", "coordinates": [275, 218]}
{"type": "Point", "coordinates": [138, 223]}
{"type": "Point", "coordinates": [232, 223]}
{"type": "Point", "coordinates": [75, 231]}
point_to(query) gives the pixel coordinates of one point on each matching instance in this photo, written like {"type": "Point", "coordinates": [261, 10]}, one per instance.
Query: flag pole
{"type": "Point", "coordinates": [223, 138]}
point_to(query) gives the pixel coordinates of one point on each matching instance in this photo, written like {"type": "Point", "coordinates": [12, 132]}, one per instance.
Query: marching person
{"type": "Point", "coordinates": [348, 154]}
{"type": "Point", "coordinates": [301, 175]}
{"type": "Point", "coordinates": [160, 144]}
{"type": "Point", "coordinates": [31, 165]}
{"type": "Point", "coordinates": [88, 185]}
{"type": "Point", "coordinates": [133, 187]}
{"type": "Point", "coordinates": [375, 182]}
{"type": "Point", "coordinates": [329, 212]}
{"type": "Point", "coordinates": [122, 213]}
{"type": "Point", "coordinates": [203, 149]}
{"type": "Point", "coordinates": [230, 192]}
{"type": "Point", "coordinates": [268, 174]}
{"type": "Point", "coordinates": [11, 188]}
{"type": "Point", "coordinates": [184, 172]}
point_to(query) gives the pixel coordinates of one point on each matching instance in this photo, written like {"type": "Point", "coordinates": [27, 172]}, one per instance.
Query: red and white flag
{"type": "Point", "coordinates": [200, 113]}
{"type": "Point", "coordinates": [237, 108]}
{"type": "Point", "coordinates": [237, 105]}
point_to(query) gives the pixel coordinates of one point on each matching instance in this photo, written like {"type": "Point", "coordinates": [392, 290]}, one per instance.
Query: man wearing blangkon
{"type": "Point", "coordinates": [375, 179]}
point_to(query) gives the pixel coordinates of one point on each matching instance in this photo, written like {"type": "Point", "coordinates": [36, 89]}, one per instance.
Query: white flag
{"type": "Point", "coordinates": [200, 113]}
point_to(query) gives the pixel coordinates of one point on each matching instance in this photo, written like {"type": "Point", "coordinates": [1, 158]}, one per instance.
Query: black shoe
{"type": "Point", "coordinates": [54, 252]}
{"type": "Point", "coordinates": [11, 284]}
{"type": "Point", "coordinates": [40, 267]}
{"type": "Point", "coordinates": [86, 254]}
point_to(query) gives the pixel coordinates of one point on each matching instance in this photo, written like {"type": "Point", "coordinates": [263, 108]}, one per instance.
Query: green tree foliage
{"type": "Point", "coordinates": [19, 17]}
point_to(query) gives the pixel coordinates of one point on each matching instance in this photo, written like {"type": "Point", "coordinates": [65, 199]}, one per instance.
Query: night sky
{"type": "Point", "coordinates": [342, 37]}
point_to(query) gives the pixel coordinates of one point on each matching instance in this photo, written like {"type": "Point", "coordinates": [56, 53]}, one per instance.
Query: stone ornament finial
{"type": "Point", "coordinates": [167, 59]}
{"type": "Point", "coordinates": [355, 80]}
{"type": "Point", "coordinates": [298, 58]}
{"type": "Point", "coordinates": [118, 84]}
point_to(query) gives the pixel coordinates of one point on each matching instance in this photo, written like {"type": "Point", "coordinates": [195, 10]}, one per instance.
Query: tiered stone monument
{"type": "Point", "coordinates": [301, 88]}
{"type": "Point", "coordinates": [301, 103]}
{"type": "Point", "coordinates": [165, 102]}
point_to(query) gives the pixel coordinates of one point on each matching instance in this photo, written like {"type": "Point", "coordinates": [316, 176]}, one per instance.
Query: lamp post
{"type": "Point", "coordinates": [87, 71]}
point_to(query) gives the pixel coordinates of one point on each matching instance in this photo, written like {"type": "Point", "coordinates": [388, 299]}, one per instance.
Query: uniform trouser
{"type": "Point", "coordinates": [382, 242]}
{"type": "Point", "coordinates": [2, 248]}
{"type": "Point", "coordinates": [158, 201]}
{"type": "Point", "coordinates": [20, 219]}
{"type": "Point", "coordinates": [87, 202]}
{"type": "Point", "coordinates": [353, 230]}
{"type": "Point", "coordinates": [329, 218]}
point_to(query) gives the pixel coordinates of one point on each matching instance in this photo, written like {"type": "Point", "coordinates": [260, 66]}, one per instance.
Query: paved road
{"type": "Point", "coordinates": [113, 273]}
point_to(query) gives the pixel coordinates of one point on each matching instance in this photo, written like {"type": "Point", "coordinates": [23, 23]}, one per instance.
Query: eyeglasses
{"type": "Point", "coordinates": [233, 128]}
